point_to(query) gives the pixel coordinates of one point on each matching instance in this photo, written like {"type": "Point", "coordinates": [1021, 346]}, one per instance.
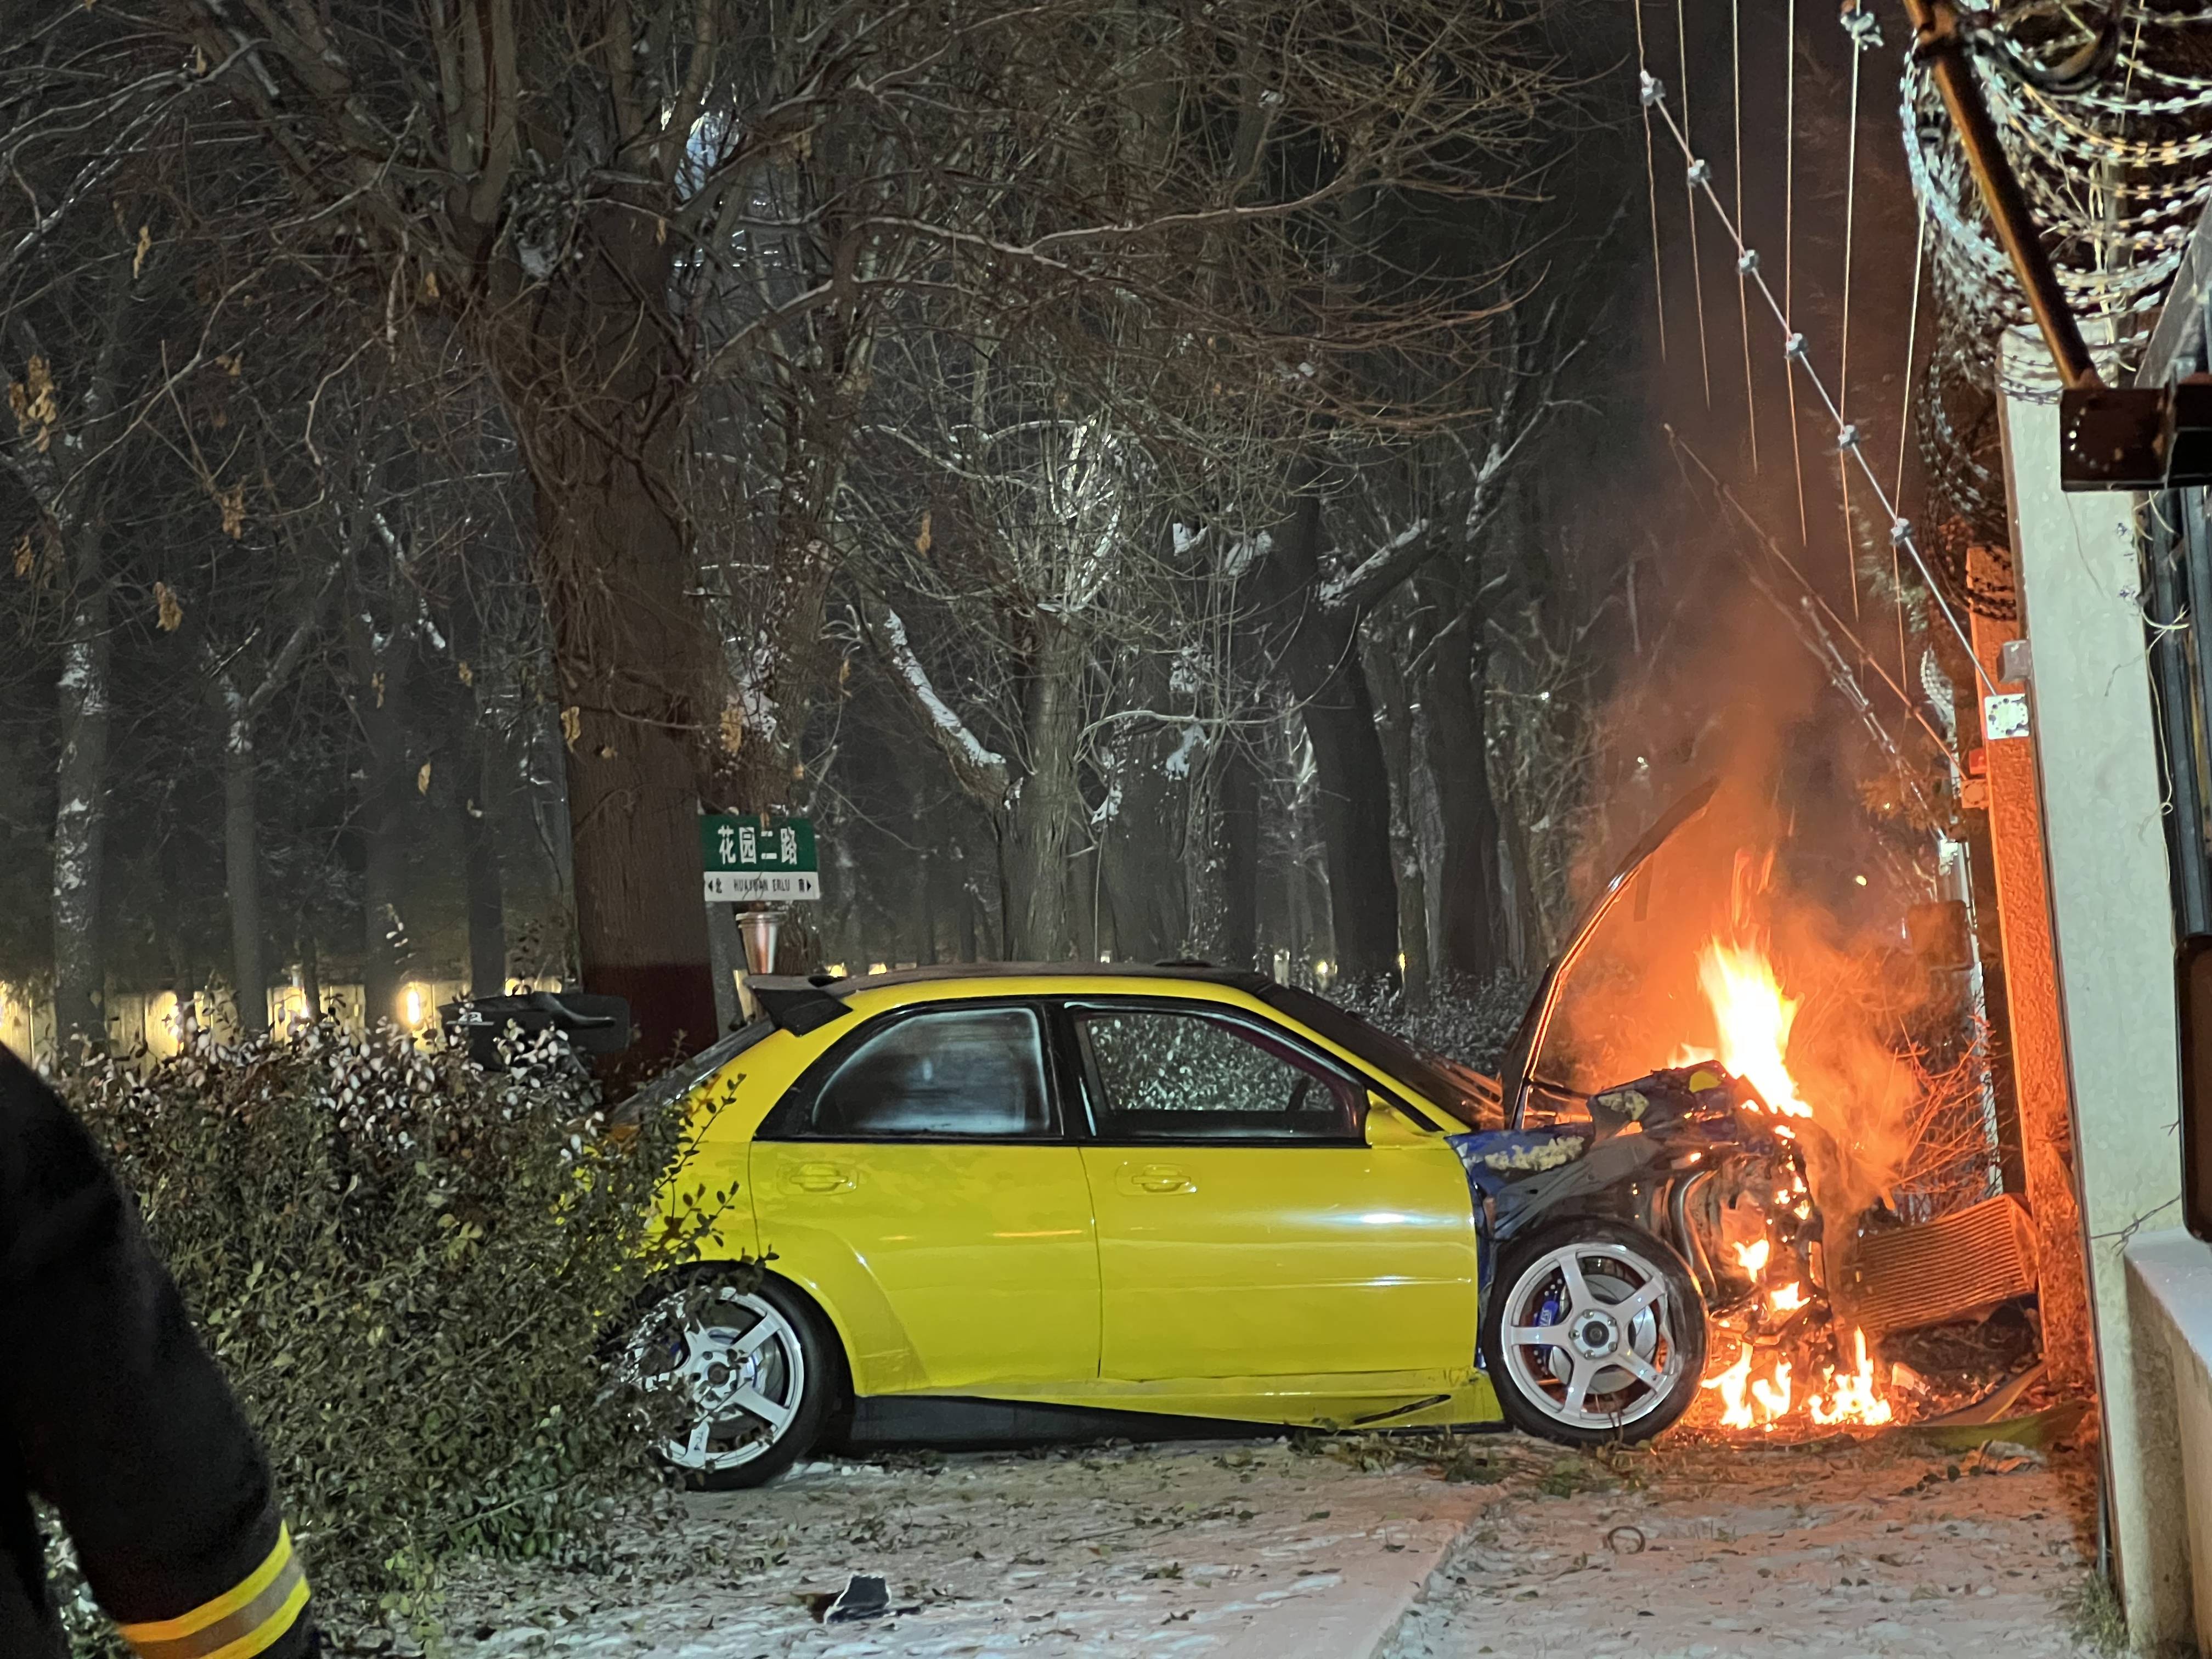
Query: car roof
{"type": "Point", "coordinates": [1243, 979]}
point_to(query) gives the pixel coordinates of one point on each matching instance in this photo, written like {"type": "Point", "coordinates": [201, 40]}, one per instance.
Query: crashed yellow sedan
{"type": "Point", "coordinates": [988, 1198]}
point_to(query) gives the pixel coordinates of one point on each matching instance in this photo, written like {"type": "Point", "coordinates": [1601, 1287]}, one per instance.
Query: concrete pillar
{"type": "Point", "coordinates": [2095, 737]}
{"type": "Point", "coordinates": [2036, 1039]}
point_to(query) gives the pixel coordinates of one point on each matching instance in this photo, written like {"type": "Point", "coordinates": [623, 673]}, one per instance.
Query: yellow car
{"type": "Point", "coordinates": [1175, 1189]}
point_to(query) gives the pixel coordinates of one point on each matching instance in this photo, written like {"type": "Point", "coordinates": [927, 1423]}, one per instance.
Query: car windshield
{"type": "Point", "coordinates": [1459, 1090]}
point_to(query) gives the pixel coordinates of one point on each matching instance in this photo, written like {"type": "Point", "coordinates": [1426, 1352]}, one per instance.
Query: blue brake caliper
{"type": "Point", "coordinates": [1549, 1313]}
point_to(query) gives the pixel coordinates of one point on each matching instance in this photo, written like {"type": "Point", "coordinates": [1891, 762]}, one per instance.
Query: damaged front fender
{"type": "Point", "coordinates": [1691, 1155]}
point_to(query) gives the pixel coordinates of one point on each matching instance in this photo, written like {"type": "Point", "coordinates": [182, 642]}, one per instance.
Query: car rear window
{"type": "Point", "coordinates": [962, 1074]}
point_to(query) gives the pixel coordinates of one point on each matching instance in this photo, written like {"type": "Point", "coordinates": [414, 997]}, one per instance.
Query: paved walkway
{"type": "Point", "coordinates": [1261, 1551]}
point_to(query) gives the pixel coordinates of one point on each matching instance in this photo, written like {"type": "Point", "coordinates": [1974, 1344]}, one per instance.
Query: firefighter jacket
{"type": "Point", "coordinates": [112, 1411]}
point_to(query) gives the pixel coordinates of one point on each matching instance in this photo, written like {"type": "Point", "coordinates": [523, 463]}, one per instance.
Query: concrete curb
{"type": "Point", "coordinates": [1353, 1617]}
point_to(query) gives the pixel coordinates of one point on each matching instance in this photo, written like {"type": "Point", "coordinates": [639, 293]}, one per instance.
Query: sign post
{"type": "Point", "coordinates": [760, 860]}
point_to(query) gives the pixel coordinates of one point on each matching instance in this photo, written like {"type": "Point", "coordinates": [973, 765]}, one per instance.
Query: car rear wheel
{"type": "Point", "coordinates": [1595, 1333]}
{"type": "Point", "coordinates": [739, 1374]}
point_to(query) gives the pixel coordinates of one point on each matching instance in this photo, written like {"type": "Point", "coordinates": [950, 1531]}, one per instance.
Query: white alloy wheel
{"type": "Point", "coordinates": [738, 1365]}
{"type": "Point", "coordinates": [1587, 1335]}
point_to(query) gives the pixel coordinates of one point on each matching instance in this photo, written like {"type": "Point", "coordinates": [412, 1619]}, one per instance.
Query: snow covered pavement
{"type": "Point", "coordinates": [1867, 1551]}
{"type": "Point", "coordinates": [1258, 1549]}
{"type": "Point", "coordinates": [1234, 1550]}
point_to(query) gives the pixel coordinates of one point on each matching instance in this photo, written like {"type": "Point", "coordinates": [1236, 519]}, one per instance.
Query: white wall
{"type": "Point", "coordinates": [2112, 922]}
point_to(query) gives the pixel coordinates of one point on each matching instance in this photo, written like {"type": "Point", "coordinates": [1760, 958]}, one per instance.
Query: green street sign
{"type": "Point", "coordinates": [752, 857]}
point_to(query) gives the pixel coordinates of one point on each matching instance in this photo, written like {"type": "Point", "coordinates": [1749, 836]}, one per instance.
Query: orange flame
{"type": "Point", "coordinates": [1788, 1299]}
{"type": "Point", "coordinates": [1773, 1397]}
{"type": "Point", "coordinates": [1753, 1257]}
{"type": "Point", "coordinates": [1735, 1410]}
{"type": "Point", "coordinates": [1855, 1400]}
{"type": "Point", "coordinates": [1754, 1018]}
{"type": "Point", "coordinates": [1748, 1401]}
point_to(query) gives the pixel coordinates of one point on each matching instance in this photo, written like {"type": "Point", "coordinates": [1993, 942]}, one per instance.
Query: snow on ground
{"type": "Point", "coordinates": [1215, 1548]}
{"type": "Point", "coordinates": [1259, 1550]}
{"type": "Point", "coordinates": [1873, 1550]}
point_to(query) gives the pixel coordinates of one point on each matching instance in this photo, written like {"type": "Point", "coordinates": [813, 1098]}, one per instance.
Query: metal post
{"type": "Point", "coordinates": [722, 961]}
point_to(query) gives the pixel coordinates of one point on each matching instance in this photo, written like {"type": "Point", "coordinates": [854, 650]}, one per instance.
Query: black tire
{"type": "Point", "coordinates": [1636, 1381]}
{"type": "Point", "coordinates": [774, 1396]}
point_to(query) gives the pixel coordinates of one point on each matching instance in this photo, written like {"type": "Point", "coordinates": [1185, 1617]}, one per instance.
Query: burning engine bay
{"type": "Point", "coordinates": [1696, 1158]}
{"type": "Point", "coordinates": [1658, 1249]}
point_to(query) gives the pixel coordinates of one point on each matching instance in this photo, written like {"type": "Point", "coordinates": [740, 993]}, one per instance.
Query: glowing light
{"type": "Point", "coordinates": [413, 1007]}
{"type": "Point", "coordinates": [1751, 1258]}
{"type": "Point", "coordinates": [1860, 879]}
{"type": "Point", "coordinates": [1788, 1299]}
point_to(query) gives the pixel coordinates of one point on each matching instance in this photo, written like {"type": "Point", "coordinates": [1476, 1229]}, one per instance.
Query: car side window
{"type": "Point", "coordinates": [1176, 1074]}
{"type": "Point", "coordinates": [958, 1074]}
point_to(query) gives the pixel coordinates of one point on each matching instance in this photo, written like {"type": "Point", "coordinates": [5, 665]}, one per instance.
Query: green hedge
{"type": "Point", "coordinates": [409, 1267]}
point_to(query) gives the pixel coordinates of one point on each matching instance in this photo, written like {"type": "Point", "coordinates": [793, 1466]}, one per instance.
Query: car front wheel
{"type": "Point", "coordinates": [1595, 1333]}
{"type": "Point", "coordinates": [739, 1376]}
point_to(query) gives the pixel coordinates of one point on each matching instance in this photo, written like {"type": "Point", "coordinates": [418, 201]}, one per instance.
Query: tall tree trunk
{"type": "Point", "coordinates": [599, 390]}
{"type": "Point", "coordinates": [971, 903]}
{"type": "Point", "coordinates": [1318, 652]}
{"type": "Point", "coordinates": [487, 893]}
{"type": "Point", "coordinates": [1471, 898]}
{"type": "Point", "coordinates": [1236, 794]}
{"type": "Point", "coordinates": [1378, 645]}
{"type": "Point", "coordinates": [386, 798]}
{"type": "Point", "coordinates": [1144, 865]}
{"type": "Point", "coordinates": [1039, 822]}
{"type": "Point", "coordinates": [81, 808]}
{"type": "Point", "coordinates": [241, 858]}
{"type": "Point", "coordinates": [627, 642]}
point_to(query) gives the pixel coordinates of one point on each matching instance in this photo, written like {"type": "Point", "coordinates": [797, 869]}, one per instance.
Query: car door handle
{"type": "Point", "coordinates": [1157, 1178]}
{"type": "Point", "coordinates": [818, 1178]}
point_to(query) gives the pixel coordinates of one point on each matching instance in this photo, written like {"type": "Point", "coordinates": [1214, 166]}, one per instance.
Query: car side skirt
{"type": "Point", "coordinates": [1394, 1400]}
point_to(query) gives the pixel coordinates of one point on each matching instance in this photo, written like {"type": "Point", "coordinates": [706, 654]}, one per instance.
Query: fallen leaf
{"type": "Point", "coordinates": [468, 674]}
{"type": "Point", "coordinates": [145, 246]}
{"type": "Point", "coordinates": [572, 725]}
{"type": "Point", "coordinates": [24, 558]}
{"type": "Point", "coordinates": [34, 403]}
{"type": "Point", "coordinates": [922, 542]}
{"type": "Point", "coordinates": [423, 780]}
{"type": "Point", "coordinates": [734, 727]}
{"type": "Point", "coordinates": [169, 612]}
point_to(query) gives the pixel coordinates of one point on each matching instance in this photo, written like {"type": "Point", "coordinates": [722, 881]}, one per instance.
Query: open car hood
{"type": "Point", "coordinates": [1524, 1056]}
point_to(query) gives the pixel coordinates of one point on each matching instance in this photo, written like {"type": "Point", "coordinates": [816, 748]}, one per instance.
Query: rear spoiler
{"type": "Point", "coordinates": [795, 1005]}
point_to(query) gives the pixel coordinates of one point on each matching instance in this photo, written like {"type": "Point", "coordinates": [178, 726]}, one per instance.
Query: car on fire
{"type": "Point", "coordinates": [1010, 1192]}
